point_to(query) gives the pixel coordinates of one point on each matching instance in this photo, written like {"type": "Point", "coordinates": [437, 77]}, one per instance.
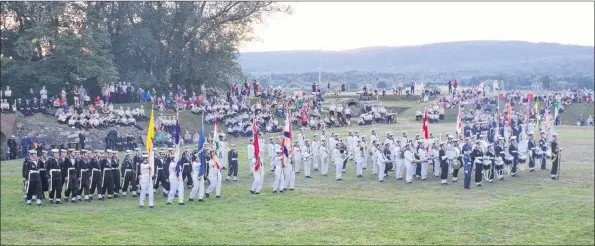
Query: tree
{"type": "Point", "coordinates": [382, 85]}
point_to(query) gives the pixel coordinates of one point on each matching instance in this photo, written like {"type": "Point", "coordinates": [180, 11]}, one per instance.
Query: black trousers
{"type": "Point", "coordinates": [491, 176]}
{"type": "Point", "coordinates": [71, 186]}
{"type": "Point", "coordinates": [478, 168]}
{"type": "Point", "coordinates": [107, 184]}
{"type": "Point", "coordinates": [161, 180]}
{"type": "Point", "coordinates": [13, 153]}
{"type": "Point", "coordinates": [515, 161]}
{"type": "Point", "coordinates": [96, 182]}
{"type": "Point", "coordinates": [455, 173]}
{"type": "Point", "coordinates": [233, 169]}
{"type": "Point", "coordinates": [555, 167]}
{"type": "Point", "coordinates": [34, 186]}
{"type": "Point", "coordinates": [129, 179]}
{"type": "Point", "coordinates": [543, 161]}
{"type": "Point", "coordinates": [84, 184]}
{"type": "Point", "coordinates": [187, 174]}
{"type": "Point", "coordinates": [56, 185]}
{"type": "Point", "coordinates": [116, 180]}
{"type": "Point", "coordinates": [45, 185]}
{"type": "Point", "coordinates": [443, 170]}
{"type": "Point", "coordinates": [499, 169]}
{"type": "Point", "coordinates": [532, 160]}
{"type": "Point", "coordinates": [418, 169]}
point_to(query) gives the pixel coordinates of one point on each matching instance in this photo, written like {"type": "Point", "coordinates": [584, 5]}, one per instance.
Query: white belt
{"type": "Point", "coordinates": [234, 159]}
{"type": "Point", "coordinates": [41, 169]}
{"type": "Point", "coordinates": [186, 164]}
{"type": "Point", "coordinates": [70, 168]}
{"type": "Point", "coordinates": [95, 169]}
{"type": "Point", "coordinates": [128, 169]}
{"type": "Point", "coordinates": [33, 171]}
{"type": "Point", "coordinates": [55, 170]}
{"type": "Point", "coordinates": [160, 168]}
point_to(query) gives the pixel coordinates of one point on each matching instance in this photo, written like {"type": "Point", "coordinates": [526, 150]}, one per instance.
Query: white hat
{"type": "Point", "coordinates": [108, 151]}
{"type": "Point", "coordinates": [32, 151]}
{"type": "Point", "coordinates": [513, 138]}
{"type": "Point", "coordinates": [128, 151]}
{"type": "Point", "coordinates": [145, 156]}
{"type": "Point", "coordinates": [55, 151]}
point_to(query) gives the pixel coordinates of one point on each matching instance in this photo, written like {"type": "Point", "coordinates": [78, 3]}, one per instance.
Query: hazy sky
{"type": "Point", "coordinates": [340, 26]}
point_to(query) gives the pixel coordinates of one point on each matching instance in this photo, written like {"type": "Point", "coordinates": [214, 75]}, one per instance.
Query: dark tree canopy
{"type": "Point", "coordinates": [150, 44]}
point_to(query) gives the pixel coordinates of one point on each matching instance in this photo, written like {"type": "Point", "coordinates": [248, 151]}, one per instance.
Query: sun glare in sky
{"type": "Point", "coordinates": [341, 26]}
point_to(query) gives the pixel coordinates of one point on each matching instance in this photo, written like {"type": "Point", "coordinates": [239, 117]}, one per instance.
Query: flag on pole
{"type": "Point", "coordinates": [509, 113]}
{"type": "Point", "coordinates": [150, 133]}
{"type": "Point", "coordinates": [286, 140]}
{"type": "Point", "coordinates": [201, 143]}
{"type": "Point", "coordinates": [424, 127]}
{"type": "Point", "coordinates": [256, 147]}
{"type": "Point", "coordinates": [459, 121]}
{"type": "Point", "coordinates": [215, 144]}
{"type": "Point", "coordinates": [552, 130]}
{"type": "Point", "coordinates": [537, 116]}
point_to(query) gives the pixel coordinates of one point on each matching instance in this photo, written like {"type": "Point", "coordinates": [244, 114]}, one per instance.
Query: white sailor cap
{"type": "Point", "coordinates": [108, 151]}
{"type": "Point", "coordinates": [32, 151]}
{"type": "Point", "coordinates": [171, 149]}
{"type": "Point", "coordinates": [69, 150]}
{"type": "Point", "coordinates": [55, 150]}
{"type": "Point", "coordinates": [128, 151]}
{"type": "Point", "coordinates": [145, 156]}
{"type": "Point", "coordinates": [500, 138]}
{"type": "Point", "coordinates": [44, 151]}
{"type": "Point", "coordinates": [513, 138]}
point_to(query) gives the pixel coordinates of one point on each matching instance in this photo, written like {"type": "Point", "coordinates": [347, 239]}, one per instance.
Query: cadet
{"type": "Point", "coordinates": [115, 165]}
{"type": "Point", "coordinates": [96, 178]}
{"type": "Point", "coordinates": [128, 171]}
{"type": "Point", "coordinates": [468, 166]}
{"type": "Point", "coordinates": [32, 178]}
{"type": "Point", "coordinates": [55, 171]}
{"type": "Point", "coordinates": [144, 171]}
{"type": "Point", "coordinates": [198, 180]}
{"type": "Point", "coordinates": [85, 175]}
{"type": "Point", "coordinates": [69, 168]}
{"type": "Point", "coordinates": [233, 163]}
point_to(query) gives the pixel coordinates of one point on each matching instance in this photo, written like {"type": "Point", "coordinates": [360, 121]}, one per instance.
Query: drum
{"type": "Point", "coordinates": [478, 160]}
{"type": "Point", "coordinates": [456, 164]}
{"type": "Point", "coordinates": [538, 152]}
{"type": "Point", "coordinates": [451, 154]}
{"type": "Point", "coordinates": [499, 161]}
{"type": "Point", "coordinates": [523, 146]}
{"type": "Point", "coordinates": [487, 162]}
{"type": "Point", "coordinates": [508, 157]}
{"type": "Point", "coordinates": [548, 153]}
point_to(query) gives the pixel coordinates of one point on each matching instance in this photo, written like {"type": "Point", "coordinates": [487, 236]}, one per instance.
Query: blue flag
{"type": "Point", "coordinates": [177, 133]}
{"type": "Point", "coordinates": [201, 142]}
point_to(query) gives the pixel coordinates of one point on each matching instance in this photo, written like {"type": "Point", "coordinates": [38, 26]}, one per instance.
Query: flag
{"type": "Point", "coordinates": [537, 116]}
{"type": "Point", "coordinates": [509, 114]}
{"type": "Point", "coordinates": [286, 140]}
{"type": "Point", "coordinates": [552, 130]}
{"type": "Point", "coordinates": [150, 133]}
{"type": "Point", "coordinates": [256, 147]}
{"type": "Point", "coordinates": [424, 127]}
{"type": "Point", "coordinates": [459, 121]}
{"type": "Point", "coordinates": [177, 132]}
{"type": "Point", "coordinates": [201, 143]}
{"type": "Point", "coordinates": [215, 144]}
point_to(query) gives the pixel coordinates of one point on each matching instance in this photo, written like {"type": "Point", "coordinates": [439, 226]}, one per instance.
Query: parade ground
{"type": "Point", "coordinates": [529, 209]}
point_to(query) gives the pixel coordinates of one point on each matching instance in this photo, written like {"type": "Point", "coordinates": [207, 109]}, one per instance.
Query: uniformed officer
{"type": "Point", "coordinates": [55, 171]}
{"type": "Point", "coordinates": [467, 165]}
{"type": "Point", "coordinates": [85, 175]}
{"type": "Point", "coordinates": [232, 156]}
{"type": "Point", "coordinates": [128, 172]}
{"type": "Point", "coordinates": [144, 171]}
{"type": "Point", "coordinates": [556, 153]}
{"type": "Point", "coordinates": [69, 171]}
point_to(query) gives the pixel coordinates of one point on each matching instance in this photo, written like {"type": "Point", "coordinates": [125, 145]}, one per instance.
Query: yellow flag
{"type": "Point", "coordinates": [151, 132]}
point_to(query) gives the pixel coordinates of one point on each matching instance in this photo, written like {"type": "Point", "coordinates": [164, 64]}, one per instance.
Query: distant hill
{"type": "Point", "coordinates": [452, 57]}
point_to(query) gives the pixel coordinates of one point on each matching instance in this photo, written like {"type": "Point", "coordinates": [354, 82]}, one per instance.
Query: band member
{"type": "Point", "coordinates": [360, 153]}
{"type": "Point", "coordinates": [187, 168]}
{"type": "Point", "coordinates": [96, 175]}
{"type": "Point", "coordinates": [198, 183]}
{"type": "Point", "coordinates": [423, 164]}
{"type": "Point", "coordinates": [513, 149]}
{"type": "Point", "coordinates": [307, 157]}
{"type": "Point", "coordinates": [270, 150]}
{"type": "Point", "coordinates": [500, 157]}
{"type": "Point", "coordinates": [43, 172]}
{"type": "Point", "coordinates": [214, 177]}
{"type": "Point", "coordinates": [32, 178]}
{"type": "Point", "coordinates": [70, 174]}
{"type": "Point", "coordinates": [543, 146]}
{"type": "Point", "coordinates": [399, 155]}
{"type": "Point", "coordinates": [476, 158]}
{"type": "Point", "coordinates": [338, 161]}
{"type": "Point", "coordinates": [489, 156]}
{"type": "Point", "coordinates": [409, 164]}
{"type": "Point", "coordinates": [55, 171]}
{"type": "Point", "coordinates": [468, 166]}
{"type": "Point", "coordinates": [175, 180]}
{"type": "Point", "coordinates": [315, 152]}
{"type": "Point", "coordinates": [107, 183]}
{"type": "Point", "coordinates": [161, 173]}
{"type": "Point", "coordinates": [144, 172]}
{"type": "Point", "coordinates": [443, 164]}
{"type": "Point", "coordinates": [85, 170]}
{"type": "Point", "coordinates": [115, 165]}
{"type": "Point", "coordinates": [556, 152]}
{"type": "Point", "coordinates": [278, 183]}
{"type": "Point", "coordinates": [380, 161]}
{"type": "Point", "coordinates": [388, 162]}
{"type": "Point", "coordinates": [296, 153]}
{"type": "Point", "coordinates": [534, 153]}
{"type": "Point", "coordinates": [323, 158]}
{"type": "Point", "coordinates": [129, 174]}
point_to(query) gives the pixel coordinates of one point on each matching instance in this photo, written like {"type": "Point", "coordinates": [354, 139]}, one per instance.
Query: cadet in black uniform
{"type": "Point", "coordinates": [534, 156]}
{"type": "Point", "coordinates": [186, 168]}
{"type": "Point", "coordinates": [514, 152]}
{"type": "Point", "coordinates": [43, 173]}
{"type": "Point", "coordinates": [476, 159]}
{"type": "Point", "coordinates": [96, 177]}
{"type": "Point", "coordinates": [70, 171]}
{"type": "Point", "coordinates": [128, 171]}
{"type": "Point", "coordinates": [499, 152]}
{"type": "Point", "coordinates": [443, 165]}
{"type": "Point", "coordinates": [115, 164]}
{"type": "Point", "coordinates": [54, 166]}
{"type": "Point", "coordinates": [85, 170]}
{"type": "Point", "coordinates": [161, 173]}
{"type": "Point", "coordinates": [232, 157]}
{"type": "Point", "coordinates": [543, 146]}
{"type": "Point", "coordinates": [556, 152]}
{"type": "Point", "coordinates": [107, 182]}
{"type": "Point", "coordinates": [489, 155]}
{"type": "Point", "coordinates": [32, 178]}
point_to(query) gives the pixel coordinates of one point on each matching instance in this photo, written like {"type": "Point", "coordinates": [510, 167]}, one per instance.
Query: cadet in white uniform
{"type": "Point", "coordinates": [338, 161]}
{"type": "Point", "coordinates": [296, 153]}
{"type": "Point", "coordinates": [198, 182]}
{"type": "Point", "coordinates": [324, 158]}
{"type": "Point", "coordinates": [399, 163]}
{"type": "Point", "coordinates": [409, 164]}
{"type": "Point", "coordinates": [307, 158]}
{"type": "Point", "coordinates": [359, 159]}
{"type": "Point", "coordinates": [214, 179]}
{"type": "Point", "coordinates": [258, 176]}
{"type": "Point", "coordinates": [315, 152]}
{"type": "Point", "coordinates": [250, 151]}
{"type": "Point", "coordinates": [278, 183]}
{"type": "Point", "coordinates": [271, 152]}
{"type": "Point", "coordinates": [146, 188]}
{"type": "Point", "coordinates": [176, 182]}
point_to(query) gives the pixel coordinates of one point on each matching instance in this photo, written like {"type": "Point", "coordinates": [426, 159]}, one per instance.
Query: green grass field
{"type": "Point", "coordinates": [530, 209]}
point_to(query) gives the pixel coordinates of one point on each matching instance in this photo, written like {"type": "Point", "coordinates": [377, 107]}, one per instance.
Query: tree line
{"type": "Point", "coordinates": [149, 44]}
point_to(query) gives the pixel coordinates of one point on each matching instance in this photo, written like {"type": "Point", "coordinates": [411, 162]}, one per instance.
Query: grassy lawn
{"type": "Point", "coordinates": [530, 209]}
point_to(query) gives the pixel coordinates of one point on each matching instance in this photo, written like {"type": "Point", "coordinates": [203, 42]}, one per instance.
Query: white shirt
{"type": "Point", "coordinates": [250, 152]}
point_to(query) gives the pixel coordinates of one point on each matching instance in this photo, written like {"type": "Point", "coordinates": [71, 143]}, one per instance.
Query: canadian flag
{"type": "Point", "coordinates": [424, 128]}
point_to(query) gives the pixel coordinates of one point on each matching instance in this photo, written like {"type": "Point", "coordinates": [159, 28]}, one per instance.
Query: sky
{"type": "Point", "coordinates": [346, 25]}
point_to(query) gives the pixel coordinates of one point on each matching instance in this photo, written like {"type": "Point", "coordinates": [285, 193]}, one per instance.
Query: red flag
{"type": "Point", "coordinates": [256, 147]}
{"type": "Point", "coordinates": [500, 96]}
{"type": "Point", "coordinates": [425, 126]}
{"type": "Point", "coordinates": [509, 114]}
